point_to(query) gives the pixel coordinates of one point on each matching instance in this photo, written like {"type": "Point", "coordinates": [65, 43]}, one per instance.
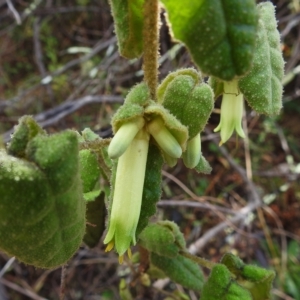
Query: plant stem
{"type": "Point", "coordinates": [151, 45]}
{"type": "Point", "coordinates": [199, 260]}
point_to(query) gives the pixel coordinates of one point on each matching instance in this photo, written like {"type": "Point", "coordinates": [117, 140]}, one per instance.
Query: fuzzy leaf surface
{"type": "Point", "coordinates": [180, 269]}
{"type": "Point", "coordinates": [24, 132]}
{"type": "Point", "coordinates": [256, 280]}
{"type": "Point", "coordinates": [262, 86]}
{"type": "Point", "coordinates": [220, 285]}
{"type": "Point", "coordinates": [190, 101]}
{"type": "Point", "coordinates": [42, 210]}
{"type": "Point", "coordinates": [129, 20]}
{"type": "Point", "coordinates": [163, 238]}
{"type": "Point", "coordinates": [219, 34]}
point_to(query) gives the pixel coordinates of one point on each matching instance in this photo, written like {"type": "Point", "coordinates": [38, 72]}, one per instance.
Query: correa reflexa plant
{"type": "Point", "coordinates": [50, 185]}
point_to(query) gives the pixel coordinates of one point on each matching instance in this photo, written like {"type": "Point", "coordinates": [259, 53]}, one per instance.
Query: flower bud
{"type": "Point", "coordinates": [124, 137]}
{"type": "Point", "coordinates": [192, 155]}
{"type": "Point", "coordinates": [164, 138]}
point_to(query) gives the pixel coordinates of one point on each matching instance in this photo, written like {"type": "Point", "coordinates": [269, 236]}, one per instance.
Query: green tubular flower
{"type": "Point", "coordinates": [127, 197]}
{"type": "Point", "coordinates": [164, 138]}
{"type": "Point", "coordinates": [192, 155]}
{"type": "Point", "coordinates": [124, 136]}
{"type": "Point", "coordinates": [231, 112]}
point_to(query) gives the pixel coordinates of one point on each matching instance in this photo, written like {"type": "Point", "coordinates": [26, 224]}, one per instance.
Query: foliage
{"type": "Point", "coordinates": [54, 187]}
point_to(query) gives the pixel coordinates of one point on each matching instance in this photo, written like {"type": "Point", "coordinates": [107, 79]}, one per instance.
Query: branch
{"type": "Point", "coordinates": [53, 115]}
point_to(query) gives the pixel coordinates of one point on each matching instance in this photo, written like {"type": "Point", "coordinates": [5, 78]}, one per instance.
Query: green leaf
{"type": "Point", "coordinates": [89, 169]}
{"type": "Point", "coordinates": [180, 269]}
{"type": "Point", "coordinates": [219, 34]}
{"type": "Point", "coordinates": [133, 106]}
{"type": "Point", "coordinates": [220, 285]}
{"type": "Point", "coordinates": [216, 85]}
{"type": "Point", "coordinates": [255, 279]}
{"type": "Point", "coordinates": [203, 166]}
{"type": "Point", "coordinates": [57, 156]}
{"type": "Point", "coordinates": [258, 281]}
{"type": "Point", "coordinates": [95, 217]}
{"type": "Point", "coordinates": [262, 86]}
{"type": "Point", "coordinates": [42, 211]}
{"type": "Point", "coordinates": [129, 21]}
{"type": "Point", "coordinates": [190, 101]}
{"type": "Point", "coordinates": [163, 238]}
{"type": "Point", "coordinates": [24, 132]}
{"type": "Point", "coordinates": [152, 187]}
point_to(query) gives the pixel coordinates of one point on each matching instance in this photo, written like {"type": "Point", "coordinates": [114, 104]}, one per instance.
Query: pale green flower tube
{"type": "Point", "coordinates": [231, 112]}
{"type": "Point", "coordinates": [127, 197]}
{"type": "Point", "coordinates": [124, 136]}
{"type": "Point", "coordinates": [192, 155]}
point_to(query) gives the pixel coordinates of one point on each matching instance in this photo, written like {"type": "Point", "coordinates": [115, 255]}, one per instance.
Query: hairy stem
{"type": "Point", "coordinates": [151, 45]}
{"type": "Point", "coordinates": [200, 261]}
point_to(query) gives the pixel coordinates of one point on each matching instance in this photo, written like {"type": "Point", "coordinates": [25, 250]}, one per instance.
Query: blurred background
{"type": "Point", "coordinates": [59, 61]}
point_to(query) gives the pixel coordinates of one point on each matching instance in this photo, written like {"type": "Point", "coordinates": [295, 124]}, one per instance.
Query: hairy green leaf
{"type": "Point", "coordinates": [24, 132]}
{"type": "Point", "coordinates": [219, 34]}
{"type": "Point", "coordinates": [129, 20]}
{"type": "Point", "coordinates": [180, 269]}
{"type": "Point", "coordinates": [256, 280]}
{"type": "Point", "coordinates": [190, 101]}
{"type": "Point", "coordinates": [42, 210]}
{"type": "Point", "coordinates": [203, 166]}
{"type": "Point", "coordinates": [220, 285]}
{"type": "Point", "coordinates": [163, 238]}
{"type": "Point", "coordinates": [262, 86]}
{"type": "Point", "coordinates": [89, 169]}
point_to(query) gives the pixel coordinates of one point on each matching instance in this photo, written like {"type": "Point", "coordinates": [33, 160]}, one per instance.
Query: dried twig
{"type": "Point", "coordinates": [21, 290]}
{"type": "Point", "coordinates": [53, 115]}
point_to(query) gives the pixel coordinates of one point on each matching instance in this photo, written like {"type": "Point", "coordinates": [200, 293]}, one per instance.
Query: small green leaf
{"type": "Point", "coordinates": [129, 21]}
{"type": "Point", "coordinates": [203, 166]}
{"type": "Point", "coordinates": [262, 86]}
{"type": "Point", "coordinates": [57, 156]}
{"type": "Point", "coordinates": [95, 217]}
{"type": "Point", "coordinates": [24, 132]}
{"type": "Point", "coordinates": [152, 187]}
{"type": "Point", "coordinates": [139, 94]}
{"type": "Point", "coordinates": [163, 238]}
{"type": "Point", "coordinates": [89, 169]}
{"type": "Point", "coordinates": [180, 269]}
{"type": "Point", "coordinates": [219, 34]}
{"type": "Point", "coordinates": [133, 106]}
{"type": "Point", "coordinates": [256, 280]}
{"type": "Point", "coordinates": [216, 85]}
{"type": "Point", "coordinates": [190, 102]}
{"type": "Point", "coordinates": [158, 239]}
{"type": "Point", "coordinates": [220, 285]}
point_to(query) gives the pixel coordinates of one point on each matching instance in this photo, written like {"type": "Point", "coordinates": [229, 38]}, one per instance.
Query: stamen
{"type": "Point", "coordinates": [129, 253]}
{"type": "Point", "coordinates": [109, 246]}
{"type": "Point", "coordinates": [121, 259]}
